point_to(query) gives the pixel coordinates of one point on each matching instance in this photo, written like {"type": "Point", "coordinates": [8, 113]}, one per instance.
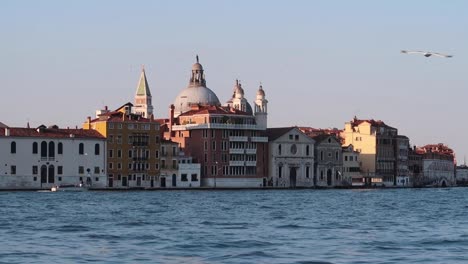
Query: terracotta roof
{"type": "Point", "coordinates": [3, 125]}
{"type": "Point", "coordinates": [376, 123]}
{"type": "Point", "coordinates": [51, 133]}
{"type": "Point", "coordinates": [116, 116]}
{"type": "Point", "coordinates": [214, 109]}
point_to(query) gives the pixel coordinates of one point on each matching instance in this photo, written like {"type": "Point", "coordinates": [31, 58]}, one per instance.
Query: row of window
{"type": "Point", "coordinates": [132, 126]}
{"type": "Point", "coordinates": [228, 133]}
{"type": "Point", "coordinates": [35, 169]}
{"type": "Point", "coordinates": [136, 139]}
{"type": "Point", "coordinates": [48, 149]}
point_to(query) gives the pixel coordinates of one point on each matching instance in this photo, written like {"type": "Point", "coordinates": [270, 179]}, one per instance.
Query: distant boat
{"type": "Point", "coordinates": [70, 188]}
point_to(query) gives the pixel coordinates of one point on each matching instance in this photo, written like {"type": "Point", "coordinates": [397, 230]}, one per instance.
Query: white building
{"type": "Point", "coordinates": [351, 170]}
{"type": "Point", "coordinates": [44, 157]}
{"type": "Point", "coordinates": [177, 169]}
{"type": "Point", "coordinates": [291, 158]}
{"type": "Point", "coordinates": [461, 175]}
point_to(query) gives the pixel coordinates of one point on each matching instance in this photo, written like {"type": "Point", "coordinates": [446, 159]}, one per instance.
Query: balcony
{"type": "Point", "coordinates": [251, 163]}
{"type": "Point", "coordinates": [259, 139]}
{"type": "Point", "coordinates": [251, 151]}
{"type": "Point", "coordinates": [236, 163]}
{"type": "Point", "coordinates": [236, 151]}
{"type": "Point", "coordinates": [238, 139]}
{"type": "Point", "coordinates": [139, 144]}
{"type": "Point", "coordinates": [216, 126]}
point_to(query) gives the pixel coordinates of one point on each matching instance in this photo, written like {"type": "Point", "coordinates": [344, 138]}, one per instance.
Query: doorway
{"type": "Point", "coordinates": [292, 177]}
{"type": "Point", "coordinates": [329, 177]}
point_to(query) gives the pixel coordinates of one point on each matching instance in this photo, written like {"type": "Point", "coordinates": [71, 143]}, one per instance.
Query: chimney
{"type": "Point", "coordinates": [171, 117]}
{"type": "Point", "coordinates": [105, 108]}
{"type": "Point", "coordinates": [89, 122]}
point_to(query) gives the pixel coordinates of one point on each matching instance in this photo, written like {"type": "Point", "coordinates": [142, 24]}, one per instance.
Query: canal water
{"type": "Point", "coordinates": [251, 226]}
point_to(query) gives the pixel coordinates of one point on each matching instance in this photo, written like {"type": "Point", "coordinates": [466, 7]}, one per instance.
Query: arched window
{"type": "Point", "coordinates": [307, 150]}
{"type": "Point", "coordinates": [279, 149]}
{"type": "Point", "coordinates": [321, 155]}
{"type": "Point", "coordinates": [35, 147]}
{"type": "Point", "coordinates": [51, 174]}
{"type": "Point", "coordinates": [51, 149]}
{"type": "Point", "coordinates": [336, 155]}
{"type": "Point", "coordinates": [13, 147]}
{"type": "Point", "coordinates": [96, 149]}
{"type": "Point", "coordinates": [60, 148]}
{"type": "Point", "coordinates": [81, 149]}
{"type": "Point", "coordinates": [43, 149]}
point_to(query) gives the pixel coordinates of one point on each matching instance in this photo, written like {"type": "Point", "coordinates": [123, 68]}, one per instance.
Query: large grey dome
{"type": "Point", "coordinates": [194, 95]}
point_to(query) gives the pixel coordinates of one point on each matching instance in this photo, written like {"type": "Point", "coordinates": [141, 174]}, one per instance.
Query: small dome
{"type": "Point", "coordinates": [260, 91]}
{"type": "Point", "coordinates": [197, 67]}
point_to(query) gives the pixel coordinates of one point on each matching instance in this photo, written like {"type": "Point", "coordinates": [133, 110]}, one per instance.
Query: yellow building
{"type": "Point", "coordinates": [133, 144]}
{"type": "Point", "coordinates": [374, 140]}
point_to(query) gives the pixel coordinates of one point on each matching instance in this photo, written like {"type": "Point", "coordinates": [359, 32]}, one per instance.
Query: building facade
{"type": "Point", "coordinates": [291, 158]}
{"type": "Point", "coordinates": [375, 142]}
{"type": "Point", "coordinates": [438, 166]}
{"type": "Point", "coordinates": [403, 178]}
{"type": "Point", "coordinates": [45, 157]}
{"type": "Point", "coordinates": [328, 162]}
{"type": "Point", "coordinates": [351, 169]}
{"type": "Point", "coordinates": [133, 145]}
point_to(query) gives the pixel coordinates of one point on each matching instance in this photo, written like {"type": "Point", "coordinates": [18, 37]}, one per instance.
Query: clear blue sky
{"type": "Point", "coordinates": [320, 62]}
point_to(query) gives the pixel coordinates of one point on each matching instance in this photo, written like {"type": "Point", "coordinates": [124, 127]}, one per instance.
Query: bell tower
{"type": "Point", "coordinates": [261, 110]}
{"type": "Point", "coordinates": [143, 104]}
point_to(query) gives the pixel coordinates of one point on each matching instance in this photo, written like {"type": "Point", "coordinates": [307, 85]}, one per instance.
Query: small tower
{"type": "Point", "coordinates": [143, 103]}
{"type": "Point", "coordinates": [238, 100]}
{"type": "Point", "coordinates": [261, 110]}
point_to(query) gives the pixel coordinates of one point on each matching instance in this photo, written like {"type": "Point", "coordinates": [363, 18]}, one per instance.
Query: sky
{"type": "Point", "coordinates": [320, 62]}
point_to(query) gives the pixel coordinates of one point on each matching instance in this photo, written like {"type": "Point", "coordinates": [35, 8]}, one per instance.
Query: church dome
{"type": "Point", "coordinates": [197, 67]}
{"type": "Point", "coordinates": [194, 95]}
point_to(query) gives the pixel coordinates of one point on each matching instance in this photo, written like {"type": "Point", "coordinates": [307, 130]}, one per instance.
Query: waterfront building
{"type": "Point", "coordinates": [438, 164]}
{"type": "Point", "coordinates": [50, 156]}
{"type": "Point", "coordinates": [291, 158]}
{"type": "Point", "coordinates": [461, 175]}
{"type": "Point", "coordinates": [415, 167]}
{"type": "Point", "coordinates": [328, 162]}
{"type": "Point", "coordinates": [177, 169]}
{"type": "Point", "coordinates": [401, 161]}
{"type": "Point", "coordinates": [227, 140]}
{"type": "Point", "coordinates": [133, 144]}
{"type": "Point", "coordinates": [351, 169]}
{"type": "Point", "coordinates": [374, 140]}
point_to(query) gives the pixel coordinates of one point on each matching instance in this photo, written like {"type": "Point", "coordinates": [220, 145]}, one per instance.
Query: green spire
{"type": "Point", "coordinates": [143, 87]}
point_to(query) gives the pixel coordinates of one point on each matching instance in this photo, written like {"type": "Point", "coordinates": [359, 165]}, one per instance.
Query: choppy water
{"type": "Point", "coordinates": [276, 226]}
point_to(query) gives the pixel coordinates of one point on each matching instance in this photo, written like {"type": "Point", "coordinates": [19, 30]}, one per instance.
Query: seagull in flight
{"type": "Point", "coordinates": [427, 53]}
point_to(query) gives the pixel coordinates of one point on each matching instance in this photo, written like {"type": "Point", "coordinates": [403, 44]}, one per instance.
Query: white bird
{"type": "Point", "coordinates": [427, 53]}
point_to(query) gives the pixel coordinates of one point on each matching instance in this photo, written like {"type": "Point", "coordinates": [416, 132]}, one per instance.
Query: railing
{"type": "Point", "coordinates": [236, 151]}
{"type": "Point", "coordinates": [236, 163]}
{"type": "Point", "coordinates": [238, 139]}
{"type": "Point", "coordinates": [251, 151]}
{"type": "Point", "coordinates": [259, 139]}
{"type": "Point", "coordinates": [216, 126]}
{"type": "Point", "coordinates": [251, 163]}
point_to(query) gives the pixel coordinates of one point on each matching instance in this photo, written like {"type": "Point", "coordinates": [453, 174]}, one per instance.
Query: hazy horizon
{"type": "Point", "coordinates": [320, 62]}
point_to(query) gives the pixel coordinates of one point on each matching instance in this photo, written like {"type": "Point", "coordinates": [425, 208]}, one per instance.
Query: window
{"type": "Point", "coordinates": [321, 155]}
{"type": "Point", "coordinates": [51, 149]}
{"type": "Point", "coordinates": [280, 171]}
{"type": "Point", "coordinates": [157, 139]}
{"type": "Point", "coordinates": [163, 164]}
{"type": "Point", "coordinates": [34, 170]}
{"type": "Point", "coordinates": [60, 148]}
{"type": "Point", "coordinates": [111, 153]}
{"type": "Point", "coordinates": [174, 151]}
{"type": "Point", "coordinates": [174, 164]}
{"type": "Point", "coordinates": [194, 177]}
{"type": "Point", "coordinates": [213, 145]}
{"type": "Point", "coordinates": [110, 139]}
{"type": "Point", "coordinates": [156, 166]}
{"type": "Point", "coordinates": [345, 158]}
{"type": "Point", "coordinates": [96, 170]}
{"type": "Point", "coordinates": [205, 145]}
{"type": "Point", "coordinates": [183, 177]}
{"type": "Point", "coordinates": [279, 149]}
{"type": "Point", "coordinates": [81, 149]}
{"type": "Point", "coordinates": [307, 150]}
{"type": "Point", "coordinates": [130, 153]}
{"type": "Point", "coordinates": [119, 126]}
{"type": "Point", "coordinates": [34, 148]}
{"type": "Point", "coordinates": [119, 166]}
{"type": "Point", "coordinates": [13, 147]}
{"type": "Point", "coordinates": [119, 153]}
{"type": "Point", "coordinates": [111, 165]}
{"type": "Point", "coordinates": [111, 126]}
{"type": "Point", "coordinates": [59, 170]}
{"type": "Point", "coordinates": [213, 134]}
{"type": "Point", "coordinates": [296, 137]}
{"type": "Point", "coordinates": [96, 149]}
{"type": "Point", "coordinates": [336, 155]}
{"type": "Point", "coordinates": [43, 149]}
{"type": "Point", "coordinates": [80, 170]}
{"type": "Point", "coordinates": [290, 137]}
{"type": "Point", "coordinates": [307, 172]}
{"type": "Point", "coordinates": [119, 138]}
{"type": "Point", "coordinates": [157, 154]}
